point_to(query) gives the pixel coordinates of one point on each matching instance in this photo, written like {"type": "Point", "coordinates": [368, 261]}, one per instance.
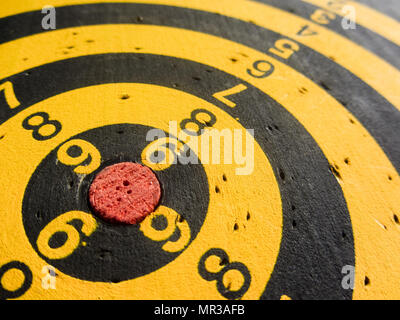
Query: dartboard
{"type": "Point", "coordinates": [108, 109]}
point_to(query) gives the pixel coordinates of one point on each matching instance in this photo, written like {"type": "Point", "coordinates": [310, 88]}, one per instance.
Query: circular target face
{"type": "Point", "coordinates": [128, 253]}
{"type": "Point", "coordinates": [264, 143]}
{"type": "Point", "coordinates": [177, 234]}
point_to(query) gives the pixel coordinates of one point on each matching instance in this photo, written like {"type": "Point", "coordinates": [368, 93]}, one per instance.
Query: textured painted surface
{"type": "Point", "coordinates": [324, 190]}
{"type": "Point", "coordinates": [125, 192]}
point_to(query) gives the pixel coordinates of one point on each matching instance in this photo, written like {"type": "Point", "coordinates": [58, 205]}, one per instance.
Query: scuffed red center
{"type": "Point", "coordinates": [125, 193]}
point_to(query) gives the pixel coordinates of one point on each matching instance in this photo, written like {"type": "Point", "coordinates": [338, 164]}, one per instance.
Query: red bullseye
{"type": "Point", "coordinates": [125, 193]}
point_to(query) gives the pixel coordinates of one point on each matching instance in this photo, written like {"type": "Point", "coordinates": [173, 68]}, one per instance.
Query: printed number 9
{"type": "Point", "coordinates": [86, 150]}
{"type": "Point", "coordinates": [263, 68]}
{"type": "Point", "coordinates": [173, 221]}
{"type": "Point", "coordinates": [167, 150]}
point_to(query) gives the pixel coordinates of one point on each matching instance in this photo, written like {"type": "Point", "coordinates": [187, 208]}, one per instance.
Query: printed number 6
{"type": "Point", "coordinates": [61, 224]}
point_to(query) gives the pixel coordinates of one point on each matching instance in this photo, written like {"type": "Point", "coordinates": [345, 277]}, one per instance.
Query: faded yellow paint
{"type": "Point", "coordinates": [367, 17]}
{"type": "Point", "coordinates": [379, 74]}
{"type": "Point", "coordinates": [256, 243]}
{"type": "Point", "coordinates": [369, 193]}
